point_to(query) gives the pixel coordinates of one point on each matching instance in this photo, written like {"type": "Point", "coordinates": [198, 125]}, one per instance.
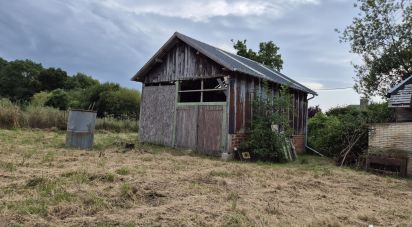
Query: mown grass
{"type": "Point", "coordinates": [43, 183]}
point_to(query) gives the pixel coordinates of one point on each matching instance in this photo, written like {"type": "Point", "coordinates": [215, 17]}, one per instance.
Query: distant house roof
{"type": "Point", "coordinates": [228, 60]}
{"type": "Point", "coordinates": [401, 94]}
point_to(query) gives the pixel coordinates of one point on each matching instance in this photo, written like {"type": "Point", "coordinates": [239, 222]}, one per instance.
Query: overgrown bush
{"type": "Point", "coordinates": [266, 143]}
{"type": "Point", "coordinates": [58, 99]}
{"type": "Point", "coordinates": [342, 133]}
{"type": "Point", "coordinates": [40, 98]}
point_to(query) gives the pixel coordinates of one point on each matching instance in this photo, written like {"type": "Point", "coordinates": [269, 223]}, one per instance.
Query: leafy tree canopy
{"type": "Point", "coordinates": [3, 63]}
{"type": "Point", "coordinates": [111, 99]}
{"type": "Point", "coordinates": [81, 81]}
{"type": "Point", "coordinates": [51, 79]}
{"type": "Point", "coordinates": [267, 54]}
{"type": "Point", "coordinates": [382, 35]}
{"type": "Point", "coordinates": [313, 110]}
{"type": "Point", "coordinates": [58, 99]}
{"type": "Point", "coordinates": [25, 81]}
{"type": "Point", "coordinates": [18, 80]}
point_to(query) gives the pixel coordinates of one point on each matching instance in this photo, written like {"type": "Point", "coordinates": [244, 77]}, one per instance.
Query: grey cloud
{"type": "Point", "coordinates": [112, 41]}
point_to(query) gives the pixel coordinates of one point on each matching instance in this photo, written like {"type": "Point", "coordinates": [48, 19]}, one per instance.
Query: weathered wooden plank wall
{"type": "Point", "coordinates": [403, 114]}
{"type": "Point", "coordinates": [200, 128]}
{"type": "Point", "coordinates": [209, 134]}
{"type": "Point", "coordinates": [243, 90]}
{"type": "Point", "coordinates": [186, 127]}
{"type": "Point", "coordinates": [157, 114]}
{"type": "Point", "coordinates": [183, 62]}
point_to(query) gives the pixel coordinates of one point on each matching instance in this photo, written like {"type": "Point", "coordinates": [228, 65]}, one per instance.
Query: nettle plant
{"type": "Point", "coordinates": [271, 131]}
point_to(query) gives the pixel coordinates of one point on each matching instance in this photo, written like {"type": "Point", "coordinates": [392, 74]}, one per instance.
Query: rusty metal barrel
{"type": "Point", "coordinates": [80, 129]}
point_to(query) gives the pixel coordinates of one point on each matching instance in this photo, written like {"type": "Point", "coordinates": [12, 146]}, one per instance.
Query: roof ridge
{"type": "Point", "coordinates": [230, 61]}
{"type": "Point", "coordinates": [396, 87]}
{"type": "Point", "coordinates": [250, 60]}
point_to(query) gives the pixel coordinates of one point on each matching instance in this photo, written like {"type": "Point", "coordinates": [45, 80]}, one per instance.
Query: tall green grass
{"type": "Point", "coordinates": [113, 124]}
{"type": "Point", "coordinates": [15, 116]}
{"type": "Point", "coordinates": [11, 115]}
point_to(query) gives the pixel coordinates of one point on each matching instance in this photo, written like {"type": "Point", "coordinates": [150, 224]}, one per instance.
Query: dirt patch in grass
{"type": "Point", "coordinates": [42, 183]}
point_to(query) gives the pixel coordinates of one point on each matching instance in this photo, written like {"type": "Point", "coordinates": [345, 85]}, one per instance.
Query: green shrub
{"type": "Point", "coordinates": [325, 134]}
{"type": "Point", "coordinates": [268, 110]}
{"type": "Point", "coordinates": [333, 132]}
{"type": "Point", "coordinates": [40, 99]}
{"type": "Point", "coordinates": [58, 99]}
{"type": "Point", "coordinates": [379, 113]}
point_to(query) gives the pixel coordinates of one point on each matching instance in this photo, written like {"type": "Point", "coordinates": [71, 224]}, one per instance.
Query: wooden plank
{"type": "Point", "coordinates": [181, 62]}
{"type": "Point", "coordinates": [239, 104]}
{"type": "Point", "coordinates": [177, 88]}
{"type": "Point", "coordinates": [209, 133]}
{"type": "Point", "coordinates": [248, 104]}
{"type": "Point", "coordinates": [157, 114]}
{"type": "Point", "coordinates": [186, 127]}
{"type": "Point", "coordinates": [304, 114]}
{"type": "Point", "coordinates": [232, 98]}
{"type": "Point", "coordinates": [403, 114]}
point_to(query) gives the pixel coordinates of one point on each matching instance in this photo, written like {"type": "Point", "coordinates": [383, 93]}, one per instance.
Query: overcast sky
{"type": "Point", "coordinates": [111, 39]}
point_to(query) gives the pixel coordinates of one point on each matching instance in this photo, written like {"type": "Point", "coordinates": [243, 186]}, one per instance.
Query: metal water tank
{"type": "Point", "coordinates": [80, 129]}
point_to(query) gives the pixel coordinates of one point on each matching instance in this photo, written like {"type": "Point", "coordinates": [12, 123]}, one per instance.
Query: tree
{"type": "Point", "coordinates": [313, 110]}
{"type": "Point", "coordinates": [267, 54]}
{"type": "Point", "coordinates": [40, 99]}
{"type": "Point", "coordinates": [96, 96]}
{"type": "Point", "coordinates": [382, 35]}
{"type": "Point", "coordinates": [18, 80]}
{"type": "Point", "coordinates": [51, 79]}
{"type": "Point", "coordinates": [122, 103]}
{"type": "Point", "coordinates": [58, 99]}
{"type": "Point", "coordinates": [3, 63]}
{"type": "Point", "coordinates": [80, 81]}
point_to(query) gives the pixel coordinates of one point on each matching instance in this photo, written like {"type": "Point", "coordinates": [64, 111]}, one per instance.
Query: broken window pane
{"type": "Point", "coordinates": [214, 96]}
{"type": "Point", "coordinates": [210, 84]}
{"type": "Point", "coordinates": [189, 97]}
{"type": "Point", "coordinates": [215, 83]}
{"type": "Point", "coordinates": [194, 90]}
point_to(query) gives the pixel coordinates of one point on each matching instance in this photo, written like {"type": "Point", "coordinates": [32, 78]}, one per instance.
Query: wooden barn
{"type": "Point", "coordinates": [199, 97]}
{"type": "Point", "coordinates": [400, 98]}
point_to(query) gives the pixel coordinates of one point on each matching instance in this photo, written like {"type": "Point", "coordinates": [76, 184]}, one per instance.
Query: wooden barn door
{"type": "Point", "coordinates": [186, 126]}
{"type": "Point", "coordinates": [209, 130]}
{"type": "Point", "coordinates": [201, 128]}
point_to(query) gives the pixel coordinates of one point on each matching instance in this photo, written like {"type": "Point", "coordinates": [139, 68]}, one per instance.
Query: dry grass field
{"type": "Point", "coordinates": [44, 184]}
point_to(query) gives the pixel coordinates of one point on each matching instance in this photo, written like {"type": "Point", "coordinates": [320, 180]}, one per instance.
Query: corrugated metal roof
{"type": "Point", "coordinates": [398, 86]}
{"type": "Point", "coordinates": [401, 94]}
{"type": "Point", "coordinates": [233, 62]}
